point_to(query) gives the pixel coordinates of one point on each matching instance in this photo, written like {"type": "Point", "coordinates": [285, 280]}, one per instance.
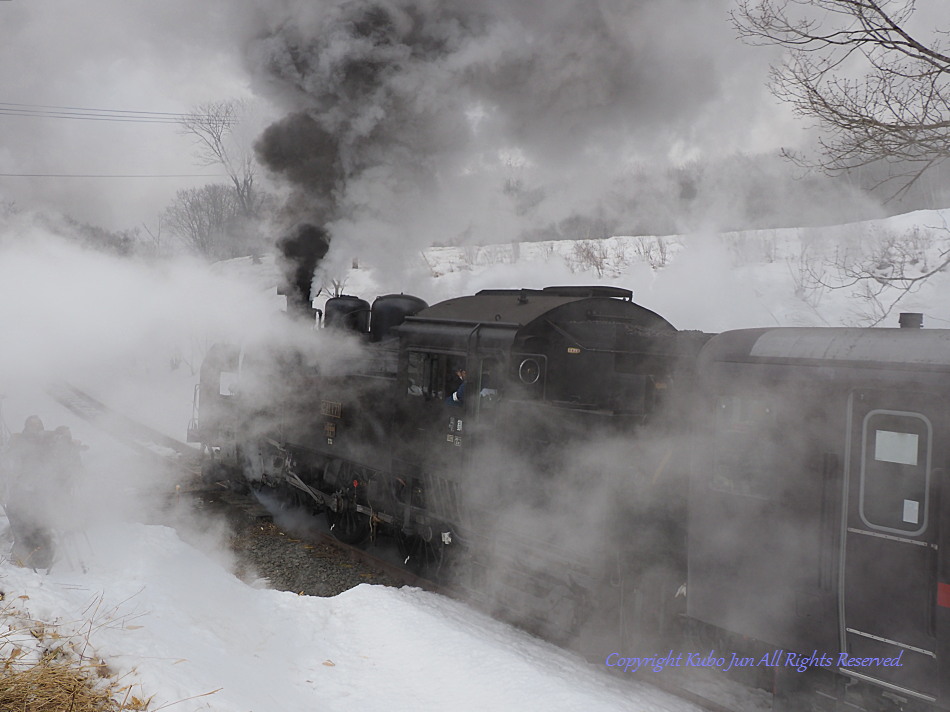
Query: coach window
{"type": "Point", "coordinates": [895, 471]}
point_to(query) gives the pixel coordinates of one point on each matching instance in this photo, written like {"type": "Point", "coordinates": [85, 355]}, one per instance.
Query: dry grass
{"type": "Point", "coordinates": [52, 686]}
{"type": "Point", "coordinates": [44, 668]}
{"type": "Point", "coordinates": [52, 666]}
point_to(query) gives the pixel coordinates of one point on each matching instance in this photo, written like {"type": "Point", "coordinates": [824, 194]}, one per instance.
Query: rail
{"type": "Point", "coordinates": [145, 440]}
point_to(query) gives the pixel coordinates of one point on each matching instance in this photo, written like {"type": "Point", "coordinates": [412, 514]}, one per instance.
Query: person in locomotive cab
{"type": "Point", "coordinates": [29, 469]}
{"type": "Point", "coordinates": [457, 388]}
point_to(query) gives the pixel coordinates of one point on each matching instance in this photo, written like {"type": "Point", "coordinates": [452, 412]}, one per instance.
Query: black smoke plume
{"type": "Point", "coordinates": [301, 252]}
{"type": "Point", "coordinates": [298, 149]}
{"type": "Point", "coordinates": [352, 75]}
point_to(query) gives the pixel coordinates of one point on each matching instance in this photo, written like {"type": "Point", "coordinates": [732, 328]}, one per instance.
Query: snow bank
{"type": "Point", "coordinates": [172, 620]}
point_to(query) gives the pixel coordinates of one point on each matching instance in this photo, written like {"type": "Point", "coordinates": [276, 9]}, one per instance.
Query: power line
{"type": "Point", "coordinates": [86, 117]}
{"type": "Point", "coordinates": [80, 108]}
{"type": "Point", "coordinates": [97, 114]}
{"type": "Point", "coordinates": [48, 111]}
{"type": "Point", "coordinates": [110, 175]}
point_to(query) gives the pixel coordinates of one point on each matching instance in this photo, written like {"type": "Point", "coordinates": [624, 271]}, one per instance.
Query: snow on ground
{"type": "Point", "coordinates": [176, 625]}
{"type": "Point", "coordinates": [181, 628]}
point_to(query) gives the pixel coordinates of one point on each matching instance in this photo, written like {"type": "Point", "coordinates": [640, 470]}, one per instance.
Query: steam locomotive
{"type": "Point", "coordinates": [569, 455]}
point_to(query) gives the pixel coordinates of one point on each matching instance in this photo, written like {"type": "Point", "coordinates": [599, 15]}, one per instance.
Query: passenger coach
{"type": "Point", "coordinates": [819, 511]}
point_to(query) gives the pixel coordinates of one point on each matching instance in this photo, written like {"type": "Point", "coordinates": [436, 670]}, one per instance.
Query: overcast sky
{"type": "Point", "coordinates": [109, 54]}
{"type": "Point", "coordinates": [565, 88]}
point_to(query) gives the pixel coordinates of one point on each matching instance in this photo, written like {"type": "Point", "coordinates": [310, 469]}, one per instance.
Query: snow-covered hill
{"type": "Point", "coordinates": [708, 281]}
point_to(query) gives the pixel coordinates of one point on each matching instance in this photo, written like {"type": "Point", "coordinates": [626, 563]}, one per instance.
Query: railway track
{"type": "Point", "coordinates": [251, 506]}
{"type": "Point", "coordinates": [146, 441]}
{"type": "Point", "coordinates": [185, 460]}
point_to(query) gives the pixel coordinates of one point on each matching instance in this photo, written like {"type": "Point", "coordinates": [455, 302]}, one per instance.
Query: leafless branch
{"type": "Point", "coordinates": [212, 126]}
{"type": "Point", "coordinates": [881, 274]}
{"type": "Point", "coordinates": [897, 110]}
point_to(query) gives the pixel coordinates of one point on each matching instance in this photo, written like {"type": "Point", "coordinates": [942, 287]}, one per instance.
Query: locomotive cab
{"type": "Point", "coordinates": [588, 348]}
{"type": "Point", "coordinates": [540, 367]}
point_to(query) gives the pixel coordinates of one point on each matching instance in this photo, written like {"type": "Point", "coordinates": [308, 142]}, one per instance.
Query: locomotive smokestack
{"type": "Point", "coordinates": [301, 252]}
{"type": "Point", "coordinates": [911, 320]}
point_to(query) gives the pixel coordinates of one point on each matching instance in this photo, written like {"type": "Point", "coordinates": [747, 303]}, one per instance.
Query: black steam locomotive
{"type": "Point", "coordinates": [569, 455]}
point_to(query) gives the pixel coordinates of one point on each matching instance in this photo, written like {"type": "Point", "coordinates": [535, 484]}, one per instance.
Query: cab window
{"type": "Point", "coordinates": [434, 376]}
{"type": "Point", "coordinates": [489, 384]}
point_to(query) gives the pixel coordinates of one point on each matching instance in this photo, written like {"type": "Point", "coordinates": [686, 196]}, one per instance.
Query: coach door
{"type": "Point", "coordinates": [887, 592]}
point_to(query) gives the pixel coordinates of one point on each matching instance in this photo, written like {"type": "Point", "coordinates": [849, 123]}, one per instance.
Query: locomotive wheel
{"type": "Point", "coordinates": [348, 525]}
{"type": "Point", "coordinates": [290, 498]}
{"type": "Point", "coordinates": [421, 557]}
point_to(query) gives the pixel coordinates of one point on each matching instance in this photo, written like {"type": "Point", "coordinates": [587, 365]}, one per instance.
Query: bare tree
{"type": "Point", "coordinates": [589, 254]}
{"type": "Point", "coordinates": [879, 271]}
{"type": "Point", "coordinates": [213, 125]}
{"type": "Point", "coordinates": [120, 242]}
{"type": "Point", "coordinates": [654, 250]}
{"type": "Point", "coordinates": [156, 244]}
{"type": "Point", "coordinates": [8, 208]}
{"type": "Point", "coordinates": [809, 275]}
{"type": "Point", "coordinates": [879, 92]}
{"type": "Point", "coordinates": [205, 218]}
